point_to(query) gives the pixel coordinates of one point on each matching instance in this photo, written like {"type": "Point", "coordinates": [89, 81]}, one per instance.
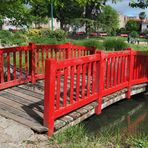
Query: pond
{"type": "Point", "coordinates": [127, 117]}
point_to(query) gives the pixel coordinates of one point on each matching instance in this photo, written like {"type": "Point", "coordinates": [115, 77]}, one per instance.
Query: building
{"type": "Point", "coordinates": [7, 25]}
{"type": "Point", "coordinates": [144, 26]}
{"type": "Point", "coordinates": [124, 19]}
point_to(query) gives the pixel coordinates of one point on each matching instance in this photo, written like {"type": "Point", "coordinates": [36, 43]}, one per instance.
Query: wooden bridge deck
{"type": "Point", "coordinates": [24, 104]}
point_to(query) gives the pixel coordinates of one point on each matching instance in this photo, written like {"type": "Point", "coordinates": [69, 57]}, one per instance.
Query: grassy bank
{"type": "Point", "coordinates": [77, 137]}
{"type": "Point", "coordinates": [139, 47]}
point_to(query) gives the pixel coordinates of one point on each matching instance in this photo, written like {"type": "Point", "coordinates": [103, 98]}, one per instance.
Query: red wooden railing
{"type": "Point", "coordinates": [14, 66]}
{"type": "Point", "coordinates": [23, 64]}
{"type": "Point", "coordinates": [73, 83]}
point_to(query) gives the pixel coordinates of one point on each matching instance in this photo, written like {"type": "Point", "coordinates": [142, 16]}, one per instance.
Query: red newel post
{"type": "Point", "coordinates": [93, 50]}
{"type": "Point", "coordinates": [131, 64]}
{"type": "Point", "coordinates": [100, 81]}
{"type": "Point", "coordinates": [68, 51]}
{"type": "Point", "coordinates": [50, 77]}
{"type": "Point", "coordinates": [32, 62]}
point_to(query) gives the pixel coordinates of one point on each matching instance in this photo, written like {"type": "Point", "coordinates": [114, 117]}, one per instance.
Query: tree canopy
{"type": "Point", "coordinates": [16, 11]}
{"type": "Point", "coordinates": [132, 25]}
{"type": "Point", "coordinates": [139, 3]}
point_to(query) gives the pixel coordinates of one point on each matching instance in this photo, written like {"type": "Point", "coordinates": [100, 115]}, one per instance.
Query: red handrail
{"type": "Point", "coordinates": [73, 83]}
{"type": "Point", "coordinates": [23, 64]}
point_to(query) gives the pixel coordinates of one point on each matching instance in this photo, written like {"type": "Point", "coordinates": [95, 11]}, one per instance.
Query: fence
{"type": "Point", "coordinates": [73, 83]}
{"type": "Point", "coordinates": [23, 64]}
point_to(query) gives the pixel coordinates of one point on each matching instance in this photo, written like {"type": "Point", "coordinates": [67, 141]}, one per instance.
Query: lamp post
{"type": "Point", "coordinates": [51, 5]}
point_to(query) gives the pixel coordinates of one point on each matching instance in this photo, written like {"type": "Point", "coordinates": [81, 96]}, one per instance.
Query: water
{"type": "Point", "coordinates": [127, 117]}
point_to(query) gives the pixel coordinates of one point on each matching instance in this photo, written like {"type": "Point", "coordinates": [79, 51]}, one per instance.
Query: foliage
{"type": "Point", "coordinates": [5, 37]}
{"type": "Point", "coordinates": [80, 22]}
{"type": "Point", "coordinates": [46, 33]}
{"type": "Point", "coordinates": [19, 38]}
{"type": "Point", "coordinates": [114, 44]}
{"type": "Point", "coordinates": [9, 38]}
{"type": "Point", "coordinates": [16, 11]}
{"type": "Point", "coordinates": [142, 16]}
{"type": "Point", "coordinates": [71, 134]}
{"type": "Point", "coordinates": [59, 34]}
{"type": "Point", "coordinates": [109, 19]}
{"type": "Point", "coordinates": [89, 43]}
{"type": "Point", "coordinates": [139, 3]}
{"type": "Point", "coordinates": [122, 31]}
{"type": "Point", "coordinates": [134, 34]}
{"type": "Point", "coordinates": [132, 25]}
{"type": "Point", "coordinates": [140, 141]}
{"type": "Point", "coordinates": [33, 32]}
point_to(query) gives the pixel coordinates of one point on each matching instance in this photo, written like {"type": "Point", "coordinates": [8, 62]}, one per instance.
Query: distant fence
{"type": "Point", "coordinates": [23, 64]}
{"type": "Point", "coordinates": [73, 83]}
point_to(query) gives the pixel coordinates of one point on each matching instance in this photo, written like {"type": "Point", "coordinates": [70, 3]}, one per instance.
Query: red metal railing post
{"type": "Point", "coordinates": [100, 81]}
{"type": "Point", "coordinates": [50, 77]}
{"type": "Point", "coordinates": [32, 62]}
{"type": "Point", "coordinates": [68, 51]}
{"type": "Point", "coordinates": [130, 77]}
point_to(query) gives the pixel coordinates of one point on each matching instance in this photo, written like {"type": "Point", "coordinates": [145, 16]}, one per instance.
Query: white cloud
{"type": "Point", "coordinates": [125, 9]}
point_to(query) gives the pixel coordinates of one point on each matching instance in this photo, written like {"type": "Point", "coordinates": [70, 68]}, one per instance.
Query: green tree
{"type": "Point", "coordinates": [109, 18]}
{"type": "Point", "coordinates": [132, 25]}
{"type": "Point", "coordinates": [142, 16]}
{"type": "Point", "coordinates": [16, 11]}
{"type": "Point", "coordinates": [66, 10]}
{"type": "Point", "coordinates": [139, 3]}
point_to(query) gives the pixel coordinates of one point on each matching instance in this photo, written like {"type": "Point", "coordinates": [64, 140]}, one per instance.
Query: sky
{"type": "Point", "coordinates": [125, 9]}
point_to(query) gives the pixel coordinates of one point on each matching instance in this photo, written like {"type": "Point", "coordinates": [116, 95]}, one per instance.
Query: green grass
{"type": "Point", "coordinates": [78, 137]}
{"type": "Point", "coordinates": [139, 47]}
{"type": "Point", "coordinates": [122, 38]}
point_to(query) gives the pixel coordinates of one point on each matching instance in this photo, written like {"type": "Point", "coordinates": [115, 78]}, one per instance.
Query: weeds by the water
{"type": "Point", "coordinates": [78, 137]}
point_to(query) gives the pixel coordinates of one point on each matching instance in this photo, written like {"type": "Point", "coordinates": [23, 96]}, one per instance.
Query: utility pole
{"type": "Point", "coordinates": [52, 27]}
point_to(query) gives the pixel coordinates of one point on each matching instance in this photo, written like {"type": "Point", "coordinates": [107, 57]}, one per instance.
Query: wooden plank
{"type": "Point", "coordinates": [15, 92]}
{"type": "Point", "coordinates": [38, 106]}
{"type": "Point", "coordinates": [28, 92]}
{"type": "Point", "coordinates": [16, 98]}
{"type": "Point", "coordinates": [35, 89]}
{"type": "Point", "coordinates": [21, 107]}
{"type": "Point", "coordinates": [34, 126]}
{"type": "Point", "coordinates": [19, 113]}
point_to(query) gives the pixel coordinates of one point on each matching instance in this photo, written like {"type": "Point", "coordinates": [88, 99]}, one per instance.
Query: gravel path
{"type": "Point", "coordinates": [15, 135]}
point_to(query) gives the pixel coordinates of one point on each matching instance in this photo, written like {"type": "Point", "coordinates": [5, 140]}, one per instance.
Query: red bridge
{"type": "Point", "coordinates": [79, 81]}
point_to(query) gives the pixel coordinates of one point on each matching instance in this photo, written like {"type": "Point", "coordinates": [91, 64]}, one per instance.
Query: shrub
{"type": "Point", "coordinates": [6, 37]}
{"type": "Point", "coordinates": [134, 34]}
{"type": "Point", "coordinates": [114, 44]}
{"type": "Point", "coordinates": [33, 32]}
{"type": "Point", "coordinates": [57, 34]}
{"type": "Point", "coordinates": [47, 33]}
{"type": "Point", "coordinates": [60, 34]}
{"type": "Point", "coordinates": [19, 38]}
{"type": "Point", "coordinates": [89, 43]}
